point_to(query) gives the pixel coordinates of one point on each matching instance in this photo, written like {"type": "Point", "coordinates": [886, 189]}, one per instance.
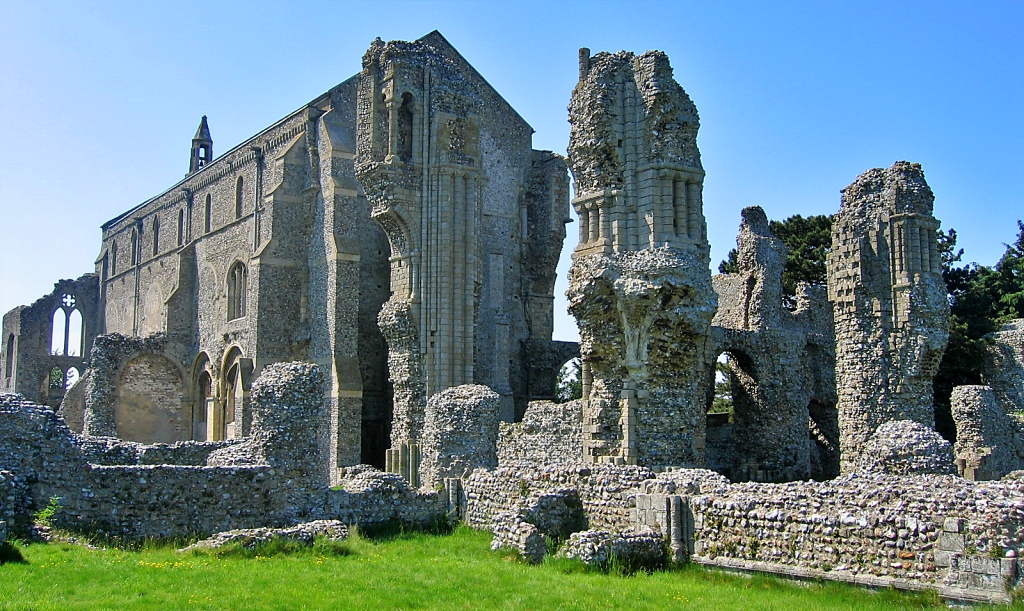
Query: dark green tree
{"type": "Point", "coordinates": [808, 241]}
{"type": "Point", "coordinates": [722, 403]}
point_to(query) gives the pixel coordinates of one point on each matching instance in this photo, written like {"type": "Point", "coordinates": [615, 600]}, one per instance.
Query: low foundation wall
{"type": "Point", "coordinates": [917, 532]}
{"type": "Point", "coordinates": [607, 492]}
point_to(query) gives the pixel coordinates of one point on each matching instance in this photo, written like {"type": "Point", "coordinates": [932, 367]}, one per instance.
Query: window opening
{"type": "Point", "coordinates": [55, 382]}
{"type": "Point", "coordinates": [405, 128]}
{"type": "Point", "coordinates": [237, 280]}
{"type": "Point", "coordinates": [208, 219]}
{"type": "Point", "coordinates": [156, 236]}
{"type": "Point", "coordinates": [113, 258]}
{"type": "Point", "coordinates": [70, 378]}
{"type": "Point", "coordinates": [135, 247]}
{"type": "Point", "coordinates": [9, 363]}
{"type": "Point", "coordinates": [181, 227]}
{"type": "Point", "coordinates": [66, 331]}
{"type": "Point", "coordinates": [59, 331]}
{"type": "Point", "coordinates": [239, 197]}
{"type": "Point", "coordinates": [75, 333]}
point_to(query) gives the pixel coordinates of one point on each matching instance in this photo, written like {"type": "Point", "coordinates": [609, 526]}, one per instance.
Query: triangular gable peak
{"type": "Point", "coordinates": [438, 41]}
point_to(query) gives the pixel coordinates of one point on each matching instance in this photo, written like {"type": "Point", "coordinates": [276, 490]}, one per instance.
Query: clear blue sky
{"type": "Point", "coordinates": [99, 101]}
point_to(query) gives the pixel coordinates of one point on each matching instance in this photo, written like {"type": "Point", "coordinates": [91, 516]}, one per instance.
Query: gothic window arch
{"type": "Point", "coordinates": [181, 226]}
{"type": "Point", "coordinates": [113, 258]}
{"type": "Point", "coordinates": [208, 218]}
{"type": "Point", "coordinates": [238, 279]}
{"type": "Point", "coordinates": [239, 197]}
{"type": "Point", "coordinates": [156, 236]}
{"type": "Point", "coordinates": [135, 247]}
{"type": "Point", "coordinates": [66, 331]}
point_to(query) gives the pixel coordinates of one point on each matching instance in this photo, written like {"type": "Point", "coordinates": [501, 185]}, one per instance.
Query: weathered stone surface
{"type": "Point", "coordinates": [988, 439]}
{"type": "Point", "coordinates": [890, 304]}
{"type": "Point", "coordinates": [460, 433]}
{"type": "Point", "coordinates": [1004, 372]}
{"type": "Point", "coordinates": [549, 433]}
{"type": "Point", "coordinates": [639, 285]}
{"type": "Point", "coordinates": [906, 447]}
{"type": "Point", "coordinates": [598, 548]}
{"type": "Point", "coordinates": [523, 537]}
{"type": "Point", "coordinates": [782, 364]}
{"type": "Point", "coordinates": [304, 533]}
{"type": "Point", "coordinates": [857, 526]}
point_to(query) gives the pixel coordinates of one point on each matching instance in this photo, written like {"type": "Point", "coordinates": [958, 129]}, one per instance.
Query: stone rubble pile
{"type": "Point", "coordinates": [905, 447]}
{"type": "Point", "coordinates": [599, 548]}
{"type": "Point", "coordinates": [304, 533]}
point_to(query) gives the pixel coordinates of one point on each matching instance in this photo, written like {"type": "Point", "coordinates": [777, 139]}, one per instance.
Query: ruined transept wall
{"type": "Point", "coordinates": [466, 203]}
{"type": "Point", "coordinates": [782, 366]}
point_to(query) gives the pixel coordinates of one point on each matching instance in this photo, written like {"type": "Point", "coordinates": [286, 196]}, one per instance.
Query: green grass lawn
{"type": "Point", "coordinates": [408, 571]}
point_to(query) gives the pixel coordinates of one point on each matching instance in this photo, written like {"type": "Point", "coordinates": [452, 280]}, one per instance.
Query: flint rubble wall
{"type": "Point", "coordinates": [550, 433]}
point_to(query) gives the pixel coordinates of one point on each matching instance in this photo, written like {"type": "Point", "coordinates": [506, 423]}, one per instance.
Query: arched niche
{"type": "Point", "coordinates": [149, 401]}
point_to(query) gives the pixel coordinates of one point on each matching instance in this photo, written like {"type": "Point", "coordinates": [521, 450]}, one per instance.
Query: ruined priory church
{"type": "Point", "coordinates": [349, 315]}
{"type": "Point", "coordinates": [399, 231]}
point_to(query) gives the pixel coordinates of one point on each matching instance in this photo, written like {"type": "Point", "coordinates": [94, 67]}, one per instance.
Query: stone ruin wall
{"type": "Point", "coordinates": [475, 219]}
{"type": "Point", "coordinates": [549, 433]}
{"type": "Point", "coordinates": [26, 357]}
{"type": "Point", "coordinates": [890, 304]}
{"type": "Point", "coordinates": [277, 476]}
{"type": "Point", "coordinates": [782, 368]}
{"type": "Point", "coordinates": [990, 419]}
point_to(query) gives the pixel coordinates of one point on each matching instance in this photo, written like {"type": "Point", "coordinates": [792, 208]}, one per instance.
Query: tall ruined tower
{"type": "Point", "coordinates": [890, 303]}
{"type": "Point", "coordinates": [448, 168]}
{"type": "Point", "coordinates": [640, 285]}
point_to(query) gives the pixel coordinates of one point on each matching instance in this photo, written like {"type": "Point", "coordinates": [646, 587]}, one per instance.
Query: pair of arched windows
{"type": "Point", "coordinates": [66, 333]}
{"type": "Point", "coordinates": [239, 205]}
{"type": "Point", "coordinates": [238, 280]}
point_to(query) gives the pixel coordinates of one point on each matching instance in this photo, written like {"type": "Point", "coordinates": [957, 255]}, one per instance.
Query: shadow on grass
{"type": "Point", "coordinates": [11, 554]}
{"type": "Point", "coordinates": [381, 532]}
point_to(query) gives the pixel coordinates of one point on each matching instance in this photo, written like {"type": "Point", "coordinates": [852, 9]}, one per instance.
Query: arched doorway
{"type": "Point", "coordinates": [234, 408]}
{"type": "Point", "coordinates": [731, 411]}
{"type": "Point", "coordinates": [203, 404]}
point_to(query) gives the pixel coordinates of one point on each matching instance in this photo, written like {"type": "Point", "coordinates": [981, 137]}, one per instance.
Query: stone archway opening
{"type": "Point", "coordinates": [230, 423]}
{"type": "Point", "coordinates": [569, 381]}
{"type": "Point", "coordinates": [730, 411]}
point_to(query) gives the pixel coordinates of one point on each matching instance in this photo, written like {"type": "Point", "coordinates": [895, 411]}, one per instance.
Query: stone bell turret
{"type": "Point", "coordinates": [202, 148]}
